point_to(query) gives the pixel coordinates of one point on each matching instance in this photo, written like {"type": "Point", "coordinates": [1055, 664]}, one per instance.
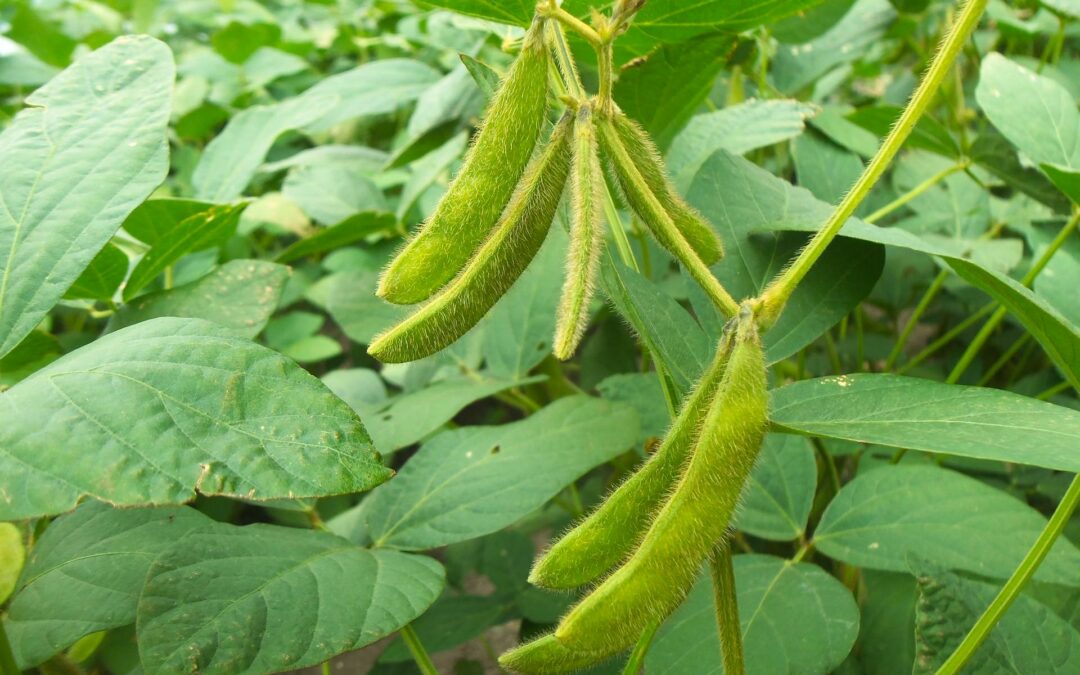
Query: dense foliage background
{"type": "Point", "coordinates": [255, 164]}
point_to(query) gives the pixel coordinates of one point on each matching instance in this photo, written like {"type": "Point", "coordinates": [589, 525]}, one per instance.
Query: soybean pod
{"type": "Point", "coordinates": [646, 157]}
{"type": "Point", "coordinates": [695, 517]}
{"type": "Point", "coordinates": [586, 238]}
{"type": "Point", "coordinates": [609, 534]}
{"type": "Point", "coordinates": [494, 267]}
{"type": "Point", "coordinates": [546, 655]}
{"type": "Point", "coordinates": [494, 164]}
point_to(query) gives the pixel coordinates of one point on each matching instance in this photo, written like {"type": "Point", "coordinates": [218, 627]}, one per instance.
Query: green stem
{"type": "Point", "coordinates": [916, 191]}
{"type": "Point", "coordinates": [419, 654]}
{"type": "Point", "coordinates": [573, 23]}
{"type": "Point", "coordinates": [999, 314]}
{"type": "Point", "coordinates": [1004, 359]}
{"type": "Point", "coordinates": [637, 657]}
{"type": "Point", "coordinates": [1053, 391]}
{"type": "Point", "coordinates": [913, 320]}
{"type": "Point", "coordinates": [1016, 582]}
{"type": "Point", "coordinates": [727, 610]}
{"type": "Point", "coordinates": [7, 658]}
{"type": "Point", "coordinates": [780, 289]}
{"type": "Point", "coordinates": [945, 339]}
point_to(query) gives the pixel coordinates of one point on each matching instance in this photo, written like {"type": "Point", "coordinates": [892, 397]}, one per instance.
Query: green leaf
{"type": "Point", "coordinates": [884, 517]}
{"type": "Point", "coordinates": [99, 555]}
{"type": "Point", "coordinates": [189, 407]}
{"type": "Point", "coordinates": [824, 168]}
{"type": "Point", "coordinates": [156, 219]}
{"type": "Point", "coordinates": [353, 229]}
{"type": "Point", "coordinates": [12, 555]}
{"type": "Point", "coordinates": [795, 619]}
{"type": "Point", "coordinates": [518, 12]}
{"type": "Point", "coordinates": [483, 74]}
{"type": "Point", "coordinates": [411, 417]}
{"type": "Point", "coordinates": [777, 500]}
{"type": "Point", "coordinates": [376, 88]}
{"type": "Point", "coordinates": [908, 412]}
{"type": "Point", "coordinates": [1036, 113]}
{"type": "Point", "coordinates": [90, 147]}
{"type": "Point", "coordinates": [474, 481]}
{"type": "Point", "coordinates": [1029, 638]}
{"type": "Point", "coordinates": [101, 277]}
{"type": "Point", "coordinates": [1066, 179]}
{"type": "Point", "coordinates": [737, 129]}
{"type": "Point", "coordinates": [991, 151]}
{"type": "Point", "coordinates": [303, 596]}
{"type": "Point", "coordinates": [354, 306]}
{"type": "Point", "coordinates": [41, 37]}
{"type": "Point", "coordinates": [887, 623]}
{"type": "Point", "coordinates": [330, 194]}
{"type": "Point", "coordinates": [1058, 337]}
{"type": "Point", "coordinates": [240, 295]}
{"type": "Point", "coordinates": [664, 89]}
{"type": "Point", "coordinates": [35, 351]}
{"type": "Point", "coordinates": [201, 231]}
{"type": "Point", "coordinates": [518, 329]}
{"type": "Point", "coordinates": [1060, 278]}
{"type": "Point", "coordinates": [668, 330]}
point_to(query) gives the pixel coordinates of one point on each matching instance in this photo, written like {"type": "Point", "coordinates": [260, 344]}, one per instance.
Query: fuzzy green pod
{"type": "Point", "coordinates": [546, 655]}
{"type": "Point", "coordinates": [586, 238]}
{"type": "Point", "coordinates": [494, 267]}
{"type": "Point", "coordinates": [493, 166]}
{"type": "Point", "coordinates": [606, 536]}
{"type": "Point", "coordinates": [645, 203]}
{"type": "Point", "coordinates": [695, 517]}
{"type": "Point", "coordinates": [646, 156]}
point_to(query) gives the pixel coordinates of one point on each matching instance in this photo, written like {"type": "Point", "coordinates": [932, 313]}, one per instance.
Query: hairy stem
{"type": "Point", "coordinates": [780, 289]}
{"type": "Point", "coordinates": [416, 648]}
{"type": "Point", "coordinates": [1016, 582]}
{"type": "Point", "coordinates": [727, 610]}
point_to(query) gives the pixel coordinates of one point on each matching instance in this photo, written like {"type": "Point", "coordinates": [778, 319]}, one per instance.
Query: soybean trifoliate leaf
{"type": "Point", "coordinates": [99, 555]}
{"type": "Point", "coordinates": [474, 481]}
{"type": "Point", "coordinates": [190, 408]}
{"type": "Point", "coordinates": [777, 500]}
{"type": "Point", "coordinates": [90, 147]}
{"type": "Point", "coordinates": [908, 412]}
{"type": "Point", "coordinates": [101, 277]}
{"type": "Point", "coordinates": [240, 295]}
{"type": "Point", "coordinates": [12, 554]}
{"type": "Point", "coordinates": [795, 618]}
{"type": "Point", "coordinates": [884, 517]}
{"type": "Point", "coordinates": [303, 596]}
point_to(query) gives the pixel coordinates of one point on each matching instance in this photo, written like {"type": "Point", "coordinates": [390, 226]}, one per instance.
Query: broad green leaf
{"type": "Point", "coordinates": [90, 147]}
{"type": "Point", "coordinates": [454, 98]}
{"type": "Point", "coordinates": [156, 219]}
{"type": "Point", "coordinates": [354, 306]}
{"type": "Point", "coordinates": [485, 77]}
{"type": "Point", "coordinates": [741, 200]}
{"type": "Point", "coordinates": [811, 23]}
{"type": "Point", "coordinates": [884, 517]}
{"type": "Point", "coordinates": [519, 328]}
{"type": "Point", "coordinates": [35, 351]}
{"type": "Point", "coordinates": [1036, 113]}
{"type": "Point", "coordinates": [928, 134]}
{"type": "Point", "coordinates": [98, 555]}
{"type": "Point", "coordinates": [376, 88]}
{"type": "Point", "coordinates": [887, 623]}
{"type": "Point", "coordinates": [1058, 337]}
{"type": "Point", "coordinates": [737, 129]}
{"type": "Point", "coordinates": [195, 233]}
{"type": "Point", "coordinates": [795, 619]}
{"type": "Point", "coordinates": [303, 596]}
{"type": "Point", "coordinates": [824, 168]}
{"type": "Point", "coordinates": [473, 481]}
{"type": "Point", "coordinates": [796, 66]}
{"type": "Point", "coordinates": [908, 412]}
{"type": "Point", "coordinates": [12, 556]}
{"type": "Point", "coordinates": [776, 502]}
{"type": "Point", "coordinates": [41, 36]}
{"type": "Point", "coordinates": [992, 152]}
{"type": "Point", "coordinates": [833, 123]}
{"type": "Point", "coordinates": [348, 231]}
{"type": "Point", "coordinates": [1029, 638]}
{"type": "Point", "coordinates": [1066, 179]}
{"type": "Point", "coordinates": [330, 194]}
{"type": "Point", "coordinates": [101, 277]}
{"type": "Point", "coordinates": [189, 408]}
{"type": "Point", "coordinates": [662, 90]}
{"type": "Point", "coordinates": [518, 12]}
{"type": "Point", "coordinates": [667, 329]}
{"type": "Point", "coordinates": [240, 295]}
{"type": "Point", "coordinates": [411, 417]}
{"type": "Point", "coordinates": [642, 392]}
{"type": "Point", "coordinates": [313, 349]}
{"type": "Point", "coordinates": [1058, 281]}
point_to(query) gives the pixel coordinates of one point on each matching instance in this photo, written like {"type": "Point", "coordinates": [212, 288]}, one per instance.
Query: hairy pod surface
{"type": "Point", "coordinates": [494, 267]}
{"type": "Point", "coordinates": [492, 168]}
{"type": "Point", "coordinates": [604, 539]}
{"type": "Point", "coordinates": [701, 235]}
{"type": "Point", "coordinates": [586, 238]}
{"type": "Point", "coordinates": [695, 517]}
{"type": "Point", "coordinates": [545, 655]}
{"type": "Point", "coordinates": [646, 204]}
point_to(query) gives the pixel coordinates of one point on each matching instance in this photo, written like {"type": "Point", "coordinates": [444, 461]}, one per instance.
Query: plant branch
{"type": "Point", "coordinates": [416, 648]}
{"type": "Point", "coordinates": [913, 320]}
{"type": "Point", "coordinates": [917, 190]}
{"type": "Point", "coordinates": [727, 609]}
{"type": "Point", "coordinates": [1016, 582]}
{"type": "Point", "coordinates": [551, 9]}
{"type": "Point", "coordinates": [772, 301]}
